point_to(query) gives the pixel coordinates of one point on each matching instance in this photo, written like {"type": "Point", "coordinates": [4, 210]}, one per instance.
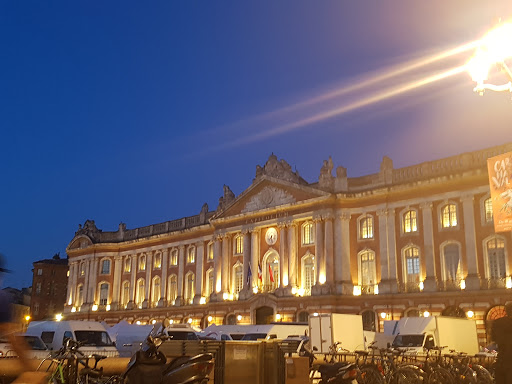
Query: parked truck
{"type": "Point", "coordinates": [327, 329]}
{"type": "Point", "coordinates": [419, 333]}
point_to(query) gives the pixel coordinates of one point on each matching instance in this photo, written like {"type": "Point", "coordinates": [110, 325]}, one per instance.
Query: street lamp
{"type": "Point", "coordinates": [494, 49]}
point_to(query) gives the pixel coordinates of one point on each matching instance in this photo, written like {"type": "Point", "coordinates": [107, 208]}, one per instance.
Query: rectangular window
{"type": "Point", "coordinates": [239, 245]}
{"type": "Point", "coordinates": [210, 251]}
{"type": "Point", "coordinates": [367, 228]}
{"type": "Point", "coordinates": [239, 279]}
{"type": "Point", "coordinates": [307, 234]}
{"type": "Point", "coordinates": [488, 211]}
{"type": "Point", "coordinates": [174, 258]}
{"type": "Point", "coordinates": [39, 272]}
{"type": "Point", "coordinates": [191, 255]}
{"type": "Point", "coordinates": [38, 288]}
{"type": "Point", "coordinates": [105, 267]}
{"type": "Point", "coordinates": [127, 265]}
{"type": "Point", "coordinates": [157, 262]}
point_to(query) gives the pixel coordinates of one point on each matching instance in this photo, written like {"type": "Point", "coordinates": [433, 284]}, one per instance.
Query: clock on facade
{"type": "Point", "coordinates": [271, 236]}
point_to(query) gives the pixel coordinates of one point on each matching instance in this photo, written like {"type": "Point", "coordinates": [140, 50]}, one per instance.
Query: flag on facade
{"type": "Point", "coordinates": [260, 276]}
{"type": "Point", "coordinates": [270, 273]}
{"type": "Point", "coordinates": [249, 276]}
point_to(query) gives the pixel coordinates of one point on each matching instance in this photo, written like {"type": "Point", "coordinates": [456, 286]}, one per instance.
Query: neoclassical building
{"type": "Point", "coordinates": [411, 241]}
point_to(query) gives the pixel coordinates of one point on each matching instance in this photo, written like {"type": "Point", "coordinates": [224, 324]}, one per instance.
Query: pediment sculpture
{"type": "Point", "coordinates": [268, 197]}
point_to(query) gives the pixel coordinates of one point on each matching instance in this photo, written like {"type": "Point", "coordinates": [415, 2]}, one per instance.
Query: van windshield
{"type": "Point", "coordinates": [94, 338]}
{"type": "Point", "coordinates": [254, 336]}
{"type": "Point", "coordinates": [408, 341]}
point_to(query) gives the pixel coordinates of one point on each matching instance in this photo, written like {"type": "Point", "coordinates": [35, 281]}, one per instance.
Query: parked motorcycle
{"type": "Point", "coordinates": [334, 373]}
{"type": "Point", "coordinates": [149, 365]}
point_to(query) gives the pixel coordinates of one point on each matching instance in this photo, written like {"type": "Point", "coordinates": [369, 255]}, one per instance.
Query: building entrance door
{"type": "Point", "coordinates": [264, 315]}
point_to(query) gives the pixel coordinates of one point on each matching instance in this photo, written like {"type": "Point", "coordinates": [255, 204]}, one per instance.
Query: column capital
{"type": "Point", "coordinates": [199, 243]}
{"type": "Point", "coordinates": [317, 218]}
{"type": "Point", "coordinates": [426, 205]}
{"type": "Point", "coordinates": [328, 216]}
{"type": "Point", "coordinates": [181, 247]}
{"type": "Point", "coordinates": [382, 212]}
{"type": "Point", "coordinates": [118, 257]}
{"type": "Point", "coordinates": [467, 197]}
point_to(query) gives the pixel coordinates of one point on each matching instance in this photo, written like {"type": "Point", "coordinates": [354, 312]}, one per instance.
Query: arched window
{"type": "Point", "coordinates": [231, 319]}
{"type": "Point", "coordinates": [125, 294]}
{"type": "Point", "coordinates": [308, 235]}
{"type": "Point", "coordinates": [127, 264]}
{"type": "Point", "coordinates": [189, 288]}
{"type": "Point", "coordinates": [141, 292]}
{"type": "Point", "coordinates": [105, 267]}
{"type": "Point", "coordinates": [142, 263]}
{"type": "Point", "coordinates": [449, 216]}
{"type": "Point", "coordinates": [173, 259]}
{"type": "Point", "coordinates": [238, 273]}
{"type": "Point", "coordinates": [271, 272]}
{"type": "Point", "coordinates": [157, 261]}
{"type": "Point", "coordinates": [412, 267]}
{"type": "Point", "coordinates": [209, 282]}
{"type": "Point", "coordinates": [412, 312]}
{"type": "Point", "coordinates": [239, 245]}
{"type": "Point", "coordinates": [155, 291]}
{"type": "Point", "coordinates": [410, 222]}
{"type": "Point", "coordinates": [369, 323]}
{"type": "Point", "coordinates": [367, 271]}
{"type": "Point", "coordinates": [452, 263]}
{"type": "Point", "coordinates": [366, 227]}
{"type": "Point", "coordinates": [488, 210]}
{"type": "Point", "coordinates": [172, 292]}
{"type": "Point", "coordinates": [308, 272]}
{"type": "Point", "coordinates": [191, 254]}
{"type": "Point", "coordinates": [496, 264]}
{"type": "Point", "coordinates": [104, 287]}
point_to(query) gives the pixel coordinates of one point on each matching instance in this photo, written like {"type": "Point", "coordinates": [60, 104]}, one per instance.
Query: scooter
{"type": "Point", "coordinates": [149, 365]}
{"type": "Point", "coordinates": [333, 373]}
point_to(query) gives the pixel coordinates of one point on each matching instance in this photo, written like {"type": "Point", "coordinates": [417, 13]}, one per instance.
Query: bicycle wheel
{"type": "Point", "coordinates": [483, 376]}
{"type": "Point", "coordinates": [406, 375]}
{"type": "Point", "coordinates": [440, 375]}
{"type": "Point", "coordinates": [466, 376]}
{"type": "Point", "coordinates": [370, 374]}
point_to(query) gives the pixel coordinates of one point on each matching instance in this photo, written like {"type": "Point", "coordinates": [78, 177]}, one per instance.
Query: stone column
{"type": "Point", "coordinates": [283, 257]}
{"type": "Point", "coordinates": [319, 252]}
{"type": "Point", "coordinates": [473, 277]}
{"type": "Point", "coordinates": [181, 275]}
{"type": "Point", "coordinates": [247, 260]}
{"type": "Point", "coordinates": [217, 263]}
{"type": "Point", "coordinates": [71, 284]}
{"type": "Point", "coordinates": [342, 273]}
{"type": "Point", "coordinates": [225, 264]}
{"type": "Point", "coordinates": [149, 267]}
{"type": "Point", "coordinates": [93, 278]}
{"type": "Point", "coordinates": [255, 255]}
{"type": "Point", "coordinates": [329, 250]}
{"type": "Point", "coordinates": [199, 272]}
{"type": "Point", "coordinates": [292, 255]}
{"type": "Point", "coordinates": [118, 270]}
{"type": "Point", "coordinates": [163, 284]}
{"type": "Point", "coordinates": [388, 282]}
{"type": "Point", "coordinates": [430, 283]}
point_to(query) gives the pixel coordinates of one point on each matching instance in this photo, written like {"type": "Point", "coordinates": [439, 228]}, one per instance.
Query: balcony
{"type": "Point", "coordinates": [494, 283]}
{"type": "Point", "coordinates": [451, 285]}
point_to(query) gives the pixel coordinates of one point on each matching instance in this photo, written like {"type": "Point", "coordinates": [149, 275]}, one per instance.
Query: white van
{"type": "Point", "coordinates": [91, 334]}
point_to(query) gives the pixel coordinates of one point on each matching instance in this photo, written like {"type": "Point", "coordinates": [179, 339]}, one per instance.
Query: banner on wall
{"type": "Point", "coordinates": [500, 181]}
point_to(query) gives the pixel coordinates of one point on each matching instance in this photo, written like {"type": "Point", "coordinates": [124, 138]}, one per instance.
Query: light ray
{"type": "Point", "coordinates": [377, 97]}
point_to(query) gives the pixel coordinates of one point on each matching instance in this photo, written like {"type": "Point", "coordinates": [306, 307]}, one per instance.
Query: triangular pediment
{"type": "Point", "coordinates": [268, 192]}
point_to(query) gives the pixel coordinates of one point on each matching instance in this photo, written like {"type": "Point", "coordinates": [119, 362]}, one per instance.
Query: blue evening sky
{"type": "Point", "coordinates": [139, 112]}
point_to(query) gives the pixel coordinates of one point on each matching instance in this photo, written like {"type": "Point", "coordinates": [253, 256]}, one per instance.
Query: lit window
{"type": "Point", "coordinates": [39, 272]}
{"type": "Point", "coordinates": [496, 258]}
{"type": "Point", "coordinates": [209, 282]}
{"type": "Point", "coordinates": [307, 234]}
{"type": "Point", "coordinates": [410, 222]}
{"type": "Point", "coordinates": [142, 263]}
{"type": "Point", "coordinates": [82, 269]}
{"type": "Point", "coordinates": [449, 216]}
{"type": "Point", "coordinates": [308, 273]}
{"type": "Point", "coordinates": [191, 255]}
{"type": "Point", "coordinates": [125, 294]}
{"type": "Point", "coordinates": [488, 210]}
{"type": "Point", "coordinates": [141, 292]}
{"type": "Point", "coordinates": [173, 289]}
{"type": "Point", "coordinates": [127, 265]}
{"type": "Point", "coordinates": [368, 271]}
{"type": "Point", "coordinates": [239, 278]}
{"type": "Point", "coordinates": [239, 245]}
{"type": "Point", "coordinates": [174, 257]}
{"type": "Point", "coordinates": [103, 294]}
{"type": "Point", "coordinates": [157, 261]}
{"type": "Point", "coordinates": [452, 263]}
{"type": "Point", "coordinates": [412, 265]}
{"type": "Point", "coordinates": [155, 292]}
{"type": "Point", "coordinates": [366, 227]}
{"type": "Point", "coordinates": [105, 267]}
{"type": "Point", "coordinates": [189, 288]}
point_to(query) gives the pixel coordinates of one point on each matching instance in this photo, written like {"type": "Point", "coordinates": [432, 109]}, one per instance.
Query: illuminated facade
{"type": "Point", "coordinates": [400, 242]}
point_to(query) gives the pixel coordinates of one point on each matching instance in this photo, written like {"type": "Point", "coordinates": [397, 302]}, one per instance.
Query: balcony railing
{"type": "Point", "coordinates": [368, 289]}
{"type": "Point", "coordinates": [410, 287]}
{"type": "Point", "coordinates": [494, 283]}
{"type": "Point", "coordinates": [451, 285]}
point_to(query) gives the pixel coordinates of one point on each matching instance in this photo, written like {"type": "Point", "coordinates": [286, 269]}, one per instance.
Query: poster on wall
{"type": "Point", "coordinates": [500, 180]}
